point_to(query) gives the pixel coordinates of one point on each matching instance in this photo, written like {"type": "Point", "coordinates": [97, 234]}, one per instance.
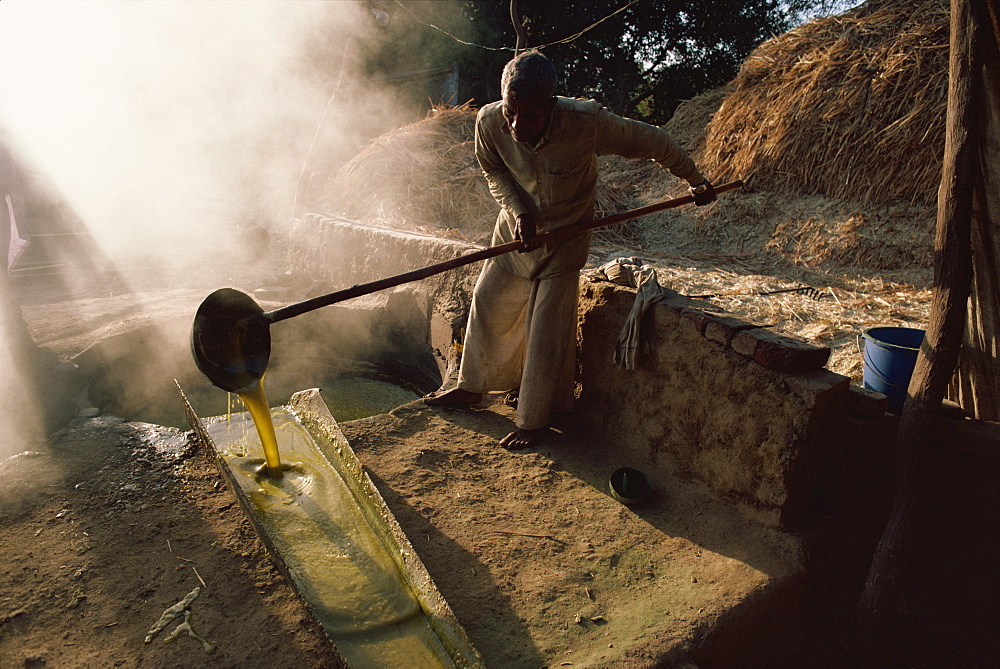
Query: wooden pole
{"type": "Point", "coordinates": [960, 179]}
{"type": "Point", "coordinates": [976, 386]}
{"type": "Point", "coordinates": [292, 310]}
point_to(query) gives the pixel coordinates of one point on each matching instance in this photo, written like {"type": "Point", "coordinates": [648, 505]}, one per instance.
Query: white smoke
{"type": "Point", "coordinates": [142, 113]}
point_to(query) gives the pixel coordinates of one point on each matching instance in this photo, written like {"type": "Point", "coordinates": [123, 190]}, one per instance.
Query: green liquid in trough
{"type": "Point", "coordinates": [353, 397]}
{"type": "Point", "coordinates": [341, 563]}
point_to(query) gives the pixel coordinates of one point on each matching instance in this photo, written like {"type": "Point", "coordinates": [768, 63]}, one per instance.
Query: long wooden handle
{"type": "Point", "coordinates": [298, 308]}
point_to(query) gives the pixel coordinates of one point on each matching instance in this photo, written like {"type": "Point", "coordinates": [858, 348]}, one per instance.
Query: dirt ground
{"type": "Point", "coordinates": [107, 524]}
{"type": "Point", "coordinates": [110, 524]}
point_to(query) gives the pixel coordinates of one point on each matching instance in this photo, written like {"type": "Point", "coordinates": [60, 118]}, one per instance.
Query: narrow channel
{"type": "Point", "coordinates": [341, 564]}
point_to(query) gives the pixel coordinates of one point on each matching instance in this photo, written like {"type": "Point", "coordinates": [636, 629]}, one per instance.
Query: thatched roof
{"type": "Point", "coordinates": [849, 106]}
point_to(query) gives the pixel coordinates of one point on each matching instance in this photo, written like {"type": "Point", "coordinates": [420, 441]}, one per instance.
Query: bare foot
{"type": "Point", "coordinates": [452, 398]}
{"type": "Point", "coordinates": [521, 438]}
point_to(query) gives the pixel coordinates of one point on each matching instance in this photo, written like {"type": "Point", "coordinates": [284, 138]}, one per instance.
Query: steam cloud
{"type": "Point", "coordinates": [163, 125]}
{"type": "Point", "coordinates": [142, 112]}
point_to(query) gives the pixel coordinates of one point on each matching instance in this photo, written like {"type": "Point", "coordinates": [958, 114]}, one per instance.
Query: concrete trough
{"type": "Point", "coordinates": [332, 535]}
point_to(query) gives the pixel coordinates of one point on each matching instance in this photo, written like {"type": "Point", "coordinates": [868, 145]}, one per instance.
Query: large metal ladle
{"type": "Point", "coordinates": [231, 340]}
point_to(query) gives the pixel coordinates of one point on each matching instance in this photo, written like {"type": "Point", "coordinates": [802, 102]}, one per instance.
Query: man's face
{"type": "Point", "coordinates": [527, 118]}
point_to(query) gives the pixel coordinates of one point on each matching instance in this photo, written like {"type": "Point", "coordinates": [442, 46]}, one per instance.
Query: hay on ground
{"type": "Point", "coordinates": [835, 315]}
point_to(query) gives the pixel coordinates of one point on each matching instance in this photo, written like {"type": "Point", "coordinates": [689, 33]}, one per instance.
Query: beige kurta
{"type": "Point", "coordinates": [556, 180]}
{"type": "Point", "coordinates": [522, 326]}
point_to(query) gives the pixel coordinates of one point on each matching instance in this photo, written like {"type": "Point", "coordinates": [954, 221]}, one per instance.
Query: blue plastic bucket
{"type": "Point", "coordinates": [888, 357]}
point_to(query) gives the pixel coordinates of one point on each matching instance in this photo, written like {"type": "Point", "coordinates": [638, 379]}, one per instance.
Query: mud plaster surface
{"type": "Point", "coordinates": [537, 560]}
{"type": "Point", "coordinates": [107, 524]}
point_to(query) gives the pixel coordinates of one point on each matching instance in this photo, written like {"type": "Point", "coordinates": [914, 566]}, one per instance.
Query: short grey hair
{"type": "Point", "coordinates": [529, 75]}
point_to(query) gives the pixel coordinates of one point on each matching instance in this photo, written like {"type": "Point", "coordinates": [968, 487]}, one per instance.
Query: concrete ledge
{"type": "Point", "coordinates": [774, 351]}
{"type": "Point", "coordinates": [695, 320]}
{"type": "Point", "coordinates": [722, 329]}
{"type": "Point", "coordinates": [765, 347]}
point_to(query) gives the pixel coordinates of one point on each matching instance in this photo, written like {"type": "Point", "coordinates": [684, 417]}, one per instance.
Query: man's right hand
{"type": "Point", "coordinates": [524, 231]}
{"type": "Point", "coordinates": [703, 193]}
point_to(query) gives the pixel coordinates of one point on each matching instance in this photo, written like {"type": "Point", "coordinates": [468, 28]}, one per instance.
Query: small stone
{"type": "Point", "coordinates": [694, 579]}
{"type": "Point", "coordinates": [866, 402]}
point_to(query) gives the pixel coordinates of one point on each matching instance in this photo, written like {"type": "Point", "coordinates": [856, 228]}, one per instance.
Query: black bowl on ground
{"type": "Point", "coordinates": [629, 486]}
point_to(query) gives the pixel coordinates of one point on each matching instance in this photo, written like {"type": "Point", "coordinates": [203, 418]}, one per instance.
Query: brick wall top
{"type": "Point", "coordinates": [765, 347]}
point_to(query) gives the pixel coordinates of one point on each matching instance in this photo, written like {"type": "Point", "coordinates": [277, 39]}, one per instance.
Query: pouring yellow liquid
{"type": "Point", "coordinates": [256, 401]}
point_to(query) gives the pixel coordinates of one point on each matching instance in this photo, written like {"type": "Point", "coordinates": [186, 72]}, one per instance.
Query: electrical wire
{"type": "Point", "coordinates": [564, 40]}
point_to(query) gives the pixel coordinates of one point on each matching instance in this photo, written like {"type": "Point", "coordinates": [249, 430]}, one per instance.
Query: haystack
{"type": "Point", "coordinates": [422, 175]}
{"type": "Point", "coordinates": [850, 106]}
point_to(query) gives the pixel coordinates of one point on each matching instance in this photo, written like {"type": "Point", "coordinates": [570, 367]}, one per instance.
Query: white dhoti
{"type": "Point", "coordinates": [522, 333]}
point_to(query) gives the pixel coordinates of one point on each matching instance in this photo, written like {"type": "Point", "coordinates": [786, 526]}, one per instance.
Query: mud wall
{"type": "Point", "coordinates": [738, 408]}
{"type": "Point", "coordinates": [748, 413]}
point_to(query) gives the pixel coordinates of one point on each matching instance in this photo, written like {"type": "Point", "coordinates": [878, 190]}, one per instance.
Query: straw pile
{"type": "Point", "coordinates": [691, 118]}
{"type": "Point", "coordinates": [850, 106]}
{"type": "Point", "coordinates": [424, 176]}
{"type": "Point", "coordinates": [825, 307]}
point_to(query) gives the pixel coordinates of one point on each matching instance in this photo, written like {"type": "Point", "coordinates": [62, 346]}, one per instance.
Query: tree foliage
{"type": "Point", "coordinates": [640, 62]}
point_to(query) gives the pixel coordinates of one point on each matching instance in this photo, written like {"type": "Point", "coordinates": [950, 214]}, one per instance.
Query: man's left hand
{"type": "Point", "coordinates": [703, 193]}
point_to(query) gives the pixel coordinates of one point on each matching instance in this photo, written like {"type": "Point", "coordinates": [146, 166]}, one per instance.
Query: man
{"type": "Point", "coordinates": [539, 154]}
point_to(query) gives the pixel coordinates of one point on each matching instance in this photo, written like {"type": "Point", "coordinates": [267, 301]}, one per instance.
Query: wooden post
{"type": "Point", "coordinates": [976, 385]}
{"type": "Point", "coordinates": [961, 179]}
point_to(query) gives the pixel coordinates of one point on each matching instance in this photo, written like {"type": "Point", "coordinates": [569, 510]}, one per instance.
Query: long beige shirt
{"type": "Point", "coordinates": [556, 180]}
